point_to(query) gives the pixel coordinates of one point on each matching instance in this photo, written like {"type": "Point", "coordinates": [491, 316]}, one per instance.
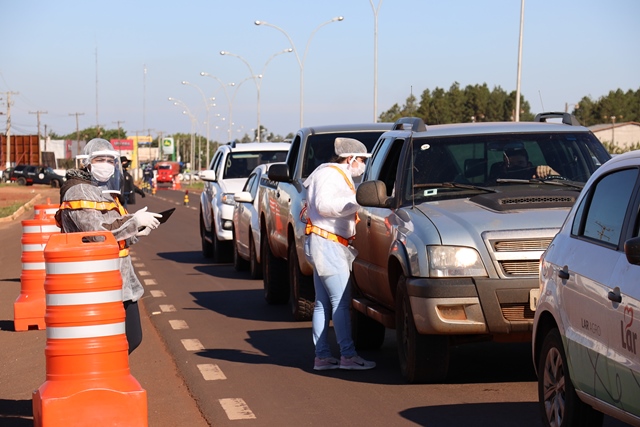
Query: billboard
{"type": "Point", "coordinates": [167, 145]}
{"type": "Point", "coordinates": [122, 144]}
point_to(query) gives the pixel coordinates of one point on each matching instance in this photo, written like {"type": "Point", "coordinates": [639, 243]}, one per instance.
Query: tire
{"type": "Point", "coordinates": [55, 183]}
{"type": "Point", "coordinates": [239, 263]}
{"type": "Point", "coordinates": [222, 251]}
{"type": "Point", "coordinates": [255, 269]}
{"type": "Point", "coordinates": [207, 247]}
{"type": "Point", "coordinates": [423, 358]}
{"type": "Point", "coordinates": [367, 333]}
{"type": "Point", "coordinates": [303, 294]}
{"type": "Point", "coordinates": [274, 275]}
{"type": "Point", "coordinates": [22, 181]}
{"type": "Point", "coordinates": [559, 404]}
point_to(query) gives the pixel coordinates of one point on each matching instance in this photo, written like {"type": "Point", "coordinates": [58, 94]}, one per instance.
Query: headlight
{"type": "Point", "coordinates": [453, 261]}
{"type": "Point", "coordinates": [228, 199]}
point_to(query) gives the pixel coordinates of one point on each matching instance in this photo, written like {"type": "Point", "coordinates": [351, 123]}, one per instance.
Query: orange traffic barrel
{"type": "Point", "coordinates": [88, 380]}
{"type": "Point", "coordinates": [46, 209]}
{"type": "Point", "coordinates": [29, 307]}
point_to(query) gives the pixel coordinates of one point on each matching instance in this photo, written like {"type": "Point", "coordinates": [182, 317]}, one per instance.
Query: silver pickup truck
{"type": "Point", "coordinates": [454, 219]}
{"type": "Point", "coordinates": [287, 275]}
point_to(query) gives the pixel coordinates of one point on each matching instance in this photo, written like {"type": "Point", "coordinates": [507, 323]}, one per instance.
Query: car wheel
{"type": "Point", "coordinates": [303, 293]}
{"type": "Point", "coordinates": [219, 253]}
{"type": "Point", "coordinates": [22, 181]}
{"type": "Point", "coordinates": [239, 263]}
{"type": "Point", "coordinates": [254, 266]}
{"type": "Point", "coordinates": [559, 403]}
{"type": "Point", "coordinates": [207, 247]}
{"type": "Point", "coordinates": [55, 183]}
{"type": "Point", "coordinates": [274, 275]}
{"type": "Point", "coordinates": [423, 358]}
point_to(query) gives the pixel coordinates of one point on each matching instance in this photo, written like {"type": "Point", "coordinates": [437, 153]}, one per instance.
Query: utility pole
{"type": "Point", "coordinates": [39, 151]}
{"type": "Point", "coordinates": [77, 132]}
{"type": "Point", "coordinates": [149, 134]}
{"type": "Point", "coordinates": [9, 126]}
{"type": "Point", "coordinates": [119, 143]}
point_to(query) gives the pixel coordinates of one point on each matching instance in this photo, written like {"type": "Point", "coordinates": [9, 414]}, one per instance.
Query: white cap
{"type": "Point", "coordinates": [347, 147]}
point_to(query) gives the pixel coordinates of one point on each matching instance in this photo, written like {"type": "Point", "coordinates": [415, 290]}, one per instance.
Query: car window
{"type": "Point", "coordinates": [601, 214]}
{"type": "Point", "coordinates": [240, 164]}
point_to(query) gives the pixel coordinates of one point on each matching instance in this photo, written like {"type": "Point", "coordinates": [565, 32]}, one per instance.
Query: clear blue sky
{"type": "Point", "coordinates": [571, 48]}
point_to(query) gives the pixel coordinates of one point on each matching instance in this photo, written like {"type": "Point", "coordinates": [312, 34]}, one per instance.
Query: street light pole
{"type": "Point", "coordinates": [226, 94]}
{"type": "Point", "coordinates": [375, 59]}
{"type": "Point", "coordinates": [206, 106]}
{"type": "Point", "coordinates": [257, 81]}
{"type": "Point", "coordinates": [186, 111]}
{"type": "Point", "coordinates": [300, 61]}
{"type": "Point", "coordinates": [517, 112]}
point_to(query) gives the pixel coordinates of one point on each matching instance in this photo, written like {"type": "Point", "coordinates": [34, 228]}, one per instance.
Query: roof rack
{"type": "Point", "coordinates": [416, 124]}
{"type": "Point", "coordinates": [567, 119]}
{"type": "Point", "coordinates": [232, 143]}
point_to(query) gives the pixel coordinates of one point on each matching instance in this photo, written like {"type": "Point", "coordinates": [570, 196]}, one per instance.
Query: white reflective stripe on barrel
{"type": "Point", "coordinates": [33, 265]}
{"type": "Point", "coordinates": [40, 229]}
{"type": "Point", "coordinates": [93, 331]}
{"type": "Point", "coordinates": [82, 267]}
{"type": "Point", "coordinates": [85, 298]}
{"type": "Point", "coordinates": [34, 247]}
{"type": "Point", "coordinates": [50, 211]}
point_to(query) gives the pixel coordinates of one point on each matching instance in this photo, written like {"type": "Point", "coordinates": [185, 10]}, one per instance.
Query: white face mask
{"type": "Point", "coordinates": [356, 167]}
{"type": "Point", "coordinates": [101, 172]}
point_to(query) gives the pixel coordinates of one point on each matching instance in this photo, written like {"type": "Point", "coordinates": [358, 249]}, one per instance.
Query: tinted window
{"type": "Point", "coordinates": [240, 164]}
{"type": "Point", "coordinates": [603, 219]}
{"type": "Point", "coordinates": [319, 148]}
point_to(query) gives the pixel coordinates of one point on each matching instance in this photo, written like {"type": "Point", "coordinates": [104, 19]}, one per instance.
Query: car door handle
{"type": "Point", "coordinates": [614, 295]}
{"type": "Point", "coordinates": [564, 273]}
{"type": "Point", "coordinates": [368, 220]}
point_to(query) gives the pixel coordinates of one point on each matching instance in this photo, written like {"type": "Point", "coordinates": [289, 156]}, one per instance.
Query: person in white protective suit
{"type": "Point", "coordinates": [89, 202]}
{"type": "Point", "coordinates": [331, 225]}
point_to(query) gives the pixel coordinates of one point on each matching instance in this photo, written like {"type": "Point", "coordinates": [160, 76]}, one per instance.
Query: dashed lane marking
{"type": "Point", "coordinates": [138, 264]}
{"type": "Point", "coordinates": [211, 372]}
{"type": "Point", "coordinates": [144, 273]}
{"type": "Point", "coordinates": [236, 409]}
{"type": "Point", "coordinates": [166, 308]}
{"type": "Point", "coordinates": [150, 282]}
{"type": "Point", "coordinates": [157, 294]}
{"type": "Point", "coordinates": [192, 344]}
{"type": "Point", "coordinates": [178, 324]}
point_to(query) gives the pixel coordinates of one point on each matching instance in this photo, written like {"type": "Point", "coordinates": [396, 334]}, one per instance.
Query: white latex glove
{"type": "Point", "coordinates": [147, 219]}
{"type": "Point", "coordinates": [144, 232]}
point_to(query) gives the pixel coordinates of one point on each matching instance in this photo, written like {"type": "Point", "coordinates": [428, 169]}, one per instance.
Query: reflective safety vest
{"type": "Point", "coordinates": [310, 228]}
{"type": "Point", "coordinates": [100, 206]}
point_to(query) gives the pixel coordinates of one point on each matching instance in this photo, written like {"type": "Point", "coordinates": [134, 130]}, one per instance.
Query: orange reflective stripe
{"type": "Point", "coordinates": [88, 204]}
{"type": "Point", "coordinates": [121, 209]}
{"type": "Point", "coordinates": [346, 178]}
{"type": "Point", "coordinates": [310, 228]}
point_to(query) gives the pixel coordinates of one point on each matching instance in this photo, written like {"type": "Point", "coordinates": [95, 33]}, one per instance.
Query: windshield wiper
{"type": "Point", "coordinates": [552, 181]}
{"type": "Point", "coordinates": [454, 185]}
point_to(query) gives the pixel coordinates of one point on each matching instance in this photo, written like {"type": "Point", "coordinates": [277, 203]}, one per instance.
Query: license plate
{"type": "Point", "coordinates": [534, 295]}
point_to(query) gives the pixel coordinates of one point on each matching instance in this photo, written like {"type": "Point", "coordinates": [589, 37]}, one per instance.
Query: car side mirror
{"type": "Point", "coordinates": [632, 250]}
{"type": "Point", "coordinates": [373, 194]}
{"type": "Point", "coordinates": [208, 175]}
{"type": "Point", "coordinates": [243, 197]}
{"type": "Point", "coordinates": [279, 172]}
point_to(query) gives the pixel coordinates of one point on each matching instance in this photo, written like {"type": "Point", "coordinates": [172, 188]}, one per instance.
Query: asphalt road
{"type": "Point", "coordinates": [247, 363]}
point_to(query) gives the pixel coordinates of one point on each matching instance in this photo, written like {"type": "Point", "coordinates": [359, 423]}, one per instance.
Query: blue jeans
{"type": "Point", "coordinates": [333, 300]}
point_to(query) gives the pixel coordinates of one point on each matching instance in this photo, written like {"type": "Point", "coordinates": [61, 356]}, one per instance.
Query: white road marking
{"type": "Point", "coordinates": [192, 344]}
{"type": "Point", "coordinates": [150, 282]}
{"type": "Point", "coordinates": [211, 372]}
{"type": "Point", "coordinates": [138, 264]}
{"type": "Point", "coordinates": [157, 294]}
{"type": "Point", "coordinates": [167, 307]}
{"type": "Point", "coordinates": [236, 409]}
{"type": "Point", "coordinates": [144, 273]}
{"type": "Point", "coordinates": [178, 324]}
{"type": "Point", "coordinates": [134, 258]}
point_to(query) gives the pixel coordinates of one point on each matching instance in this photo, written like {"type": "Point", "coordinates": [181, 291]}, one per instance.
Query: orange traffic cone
{"type": "Point", "coordinates": [88, 377]}
{"type": "Point", "coordinates": [29, 307]}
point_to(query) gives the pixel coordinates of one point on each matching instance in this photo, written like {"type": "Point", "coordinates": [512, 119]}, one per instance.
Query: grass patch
{"type": "Point", "coordinates": [10, 210]}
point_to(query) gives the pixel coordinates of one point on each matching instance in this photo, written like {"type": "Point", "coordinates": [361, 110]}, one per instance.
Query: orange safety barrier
{"type": "Point", "coordinates": [48, 209]}
{"type": "Point", "coordinates": [88, 378]}
{"type": "Point", "coordinates": [29, 307]}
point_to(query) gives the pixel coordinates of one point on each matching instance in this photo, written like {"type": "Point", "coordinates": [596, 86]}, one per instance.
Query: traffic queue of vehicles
{"type": "Point", "coordinates": [460, 241]}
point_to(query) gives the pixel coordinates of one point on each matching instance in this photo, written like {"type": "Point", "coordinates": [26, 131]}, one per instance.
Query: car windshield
{"type": "Point", "coordinates": [481, 161]}
{"type": "Point", "coordinates": [319, 148]}
{"type": "Point", "coordinates": [240, 164]}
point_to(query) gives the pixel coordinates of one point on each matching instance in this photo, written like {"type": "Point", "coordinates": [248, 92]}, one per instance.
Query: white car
{"type": "Point", "coordinates": [586, 346]}
{"type": "Point", "coordinates": [231, 165]}
{"type": "Point", "coordinates": [246, 224]}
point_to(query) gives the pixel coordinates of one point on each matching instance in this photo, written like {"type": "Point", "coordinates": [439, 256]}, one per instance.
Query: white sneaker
{"type": "Point", "coordinates": [356, 363]}
{"type": "Point", "coordinates": [325, 363]}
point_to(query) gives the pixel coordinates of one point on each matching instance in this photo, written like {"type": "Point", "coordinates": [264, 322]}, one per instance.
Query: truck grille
{"type": "Point", "coordinates": [521, 245]}
{"type": "Point", "coordinates": [516, 268]}
{"type": "Point", "coordinates": [519, 257]}
{"type": "Point", "coordinates": [516, 311]}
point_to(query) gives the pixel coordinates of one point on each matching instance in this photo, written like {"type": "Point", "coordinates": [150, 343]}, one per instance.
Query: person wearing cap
{"type": "Point", "coordinates": [89, 202]}
{"type": "Point", "coordinates": [331, 222]}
